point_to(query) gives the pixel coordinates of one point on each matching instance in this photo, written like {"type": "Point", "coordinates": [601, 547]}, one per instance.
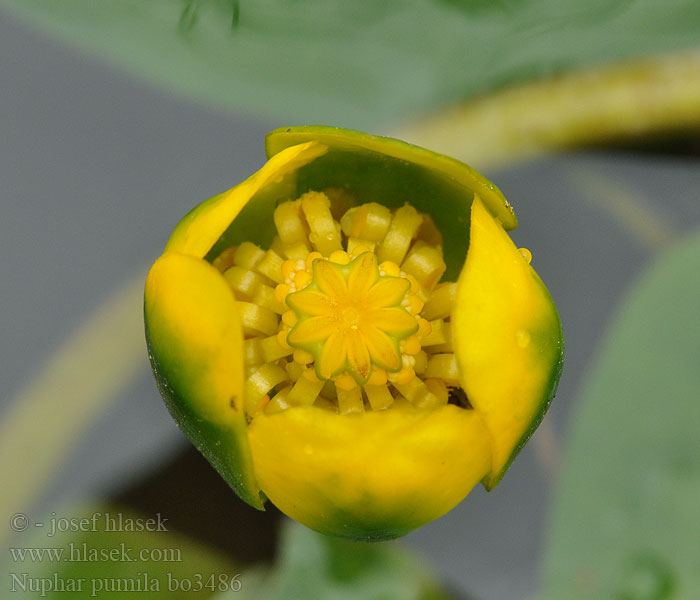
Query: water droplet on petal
{"type": "Point", "coordinates": [522, 338]}
{"type": "Point", "coordinates": [527, 255]}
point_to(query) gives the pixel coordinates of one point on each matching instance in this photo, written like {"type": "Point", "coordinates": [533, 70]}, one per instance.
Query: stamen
{"type": "Point", "coordinates": [271, 350]}
{"type": "Point", "coordinates": [402, 230]}
{"type": "Point", "coordinates": [368, 222]}
{"type": "Point", "coordinates": [257, 320]}
{"type": "Point", "coordinates": [379, 396]}
{"type": "Point", "coordinates": [345, 315]}
{"type": "Point", "coordinates": [225, 260]}
{"type": "Point", "coordinates": [440, 303]}
{"type": "Point", "coordinates": [290, 225]}
{"type": "Point", "coordinates": [271, 266]}
{"type": "Point", "coordinates": [305, 390]}
{"type": "Point", "coordinates": [350, 401]}
{"type": "Point", "coordinates": [247, 255]}
{"type": "Point", "coordinates": [324, 236]}
{"type": "Point", "coordinates": [426, 264]}
{"type": "Point", "coordinates": [262, 381]}
{"type": "Point", "coordinates": [443, 366]}
{"type": "Point", "coordinates": [265, 296]}
{"type": "Point", "coordinates": [437, 335]}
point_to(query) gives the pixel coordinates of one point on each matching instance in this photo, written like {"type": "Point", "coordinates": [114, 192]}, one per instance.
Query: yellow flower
{"type": "Point", "coordinates": [351, 333]}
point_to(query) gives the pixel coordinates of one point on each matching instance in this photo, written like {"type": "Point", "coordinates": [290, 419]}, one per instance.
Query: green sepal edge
{"type": "Point", "coordinates": [219, 443]}
{"type": "Point", "coordinates": [393, 173]}
{"type": "Point", "coordinates": [549, 389]}
{"type": "Point", "coordinates": [347, 139]}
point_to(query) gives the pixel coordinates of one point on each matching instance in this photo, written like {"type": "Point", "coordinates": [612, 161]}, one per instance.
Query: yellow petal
{"type": "Point", "coordinates": [311, 330]}
{"type": "Point", "coordinates": [394, 321]}
{"type": "Point", "coordinates": [388, 291]}
{"type": "Point", "coordinates": [310, 302]}
{"type": "Point", "coordinates": [195, 343]}
{"type": "Point", "coordinates": [333, 356]}
{"type": "Point", "coordinates": [507, 338]}
{"type": "Point", "coordinates": [371, 476]}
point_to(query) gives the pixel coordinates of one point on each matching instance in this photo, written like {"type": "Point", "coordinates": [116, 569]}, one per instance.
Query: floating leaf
{"type": "Point", "coordinates": [626, 519]}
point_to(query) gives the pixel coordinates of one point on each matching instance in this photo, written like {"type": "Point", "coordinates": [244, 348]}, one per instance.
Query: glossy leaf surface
{"type": "Point", "coordinates": [626, 518]}
{"type": "Point", "coordinates": [358, 64]}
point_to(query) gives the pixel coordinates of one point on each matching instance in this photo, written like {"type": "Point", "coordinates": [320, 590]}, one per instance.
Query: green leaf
{"type": "Point", "coordinates": [361, 63]}
{"type": "Point", "coordinates": [312, 565]}
{"type": "Point", "coordinates": [626, 519]}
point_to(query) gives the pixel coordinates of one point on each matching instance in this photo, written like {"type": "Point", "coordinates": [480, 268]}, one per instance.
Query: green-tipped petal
{"type": "Point", "coordinates": [373, 476]}
{"type": "Point", "coordinates": [392, 172]}
{"type": "Point", "coordinates": [205, 225]}
{"type": "Point", "coordinates": [195, 344]}
{"type": "Point", "coordinates": [508, 339]}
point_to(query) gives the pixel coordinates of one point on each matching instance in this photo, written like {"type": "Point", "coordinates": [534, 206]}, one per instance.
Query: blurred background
{"type": "Point", "coordinates": [118, 117]}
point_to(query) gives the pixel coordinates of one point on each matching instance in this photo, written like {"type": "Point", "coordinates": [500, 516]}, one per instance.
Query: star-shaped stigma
{"type": "Point", "coordinates": [351, 317]}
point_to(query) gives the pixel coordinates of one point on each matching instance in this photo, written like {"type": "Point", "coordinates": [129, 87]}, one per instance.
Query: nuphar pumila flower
{"type": "Point", "coordinates": [352, 334]}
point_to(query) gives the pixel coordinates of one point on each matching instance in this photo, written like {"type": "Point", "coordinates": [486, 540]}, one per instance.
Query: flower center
{"type": "Point", "coordinates": [344, 311]}
{"type": "Point", "coordinates": [350, 317]}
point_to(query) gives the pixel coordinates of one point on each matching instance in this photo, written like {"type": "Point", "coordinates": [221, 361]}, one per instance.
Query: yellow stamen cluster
{"type": "Point", "coordinates": [344, 311]}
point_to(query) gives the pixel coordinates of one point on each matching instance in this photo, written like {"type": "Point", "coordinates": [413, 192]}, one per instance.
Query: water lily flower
{"type": "Point", "coordinates": [352, 334]}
